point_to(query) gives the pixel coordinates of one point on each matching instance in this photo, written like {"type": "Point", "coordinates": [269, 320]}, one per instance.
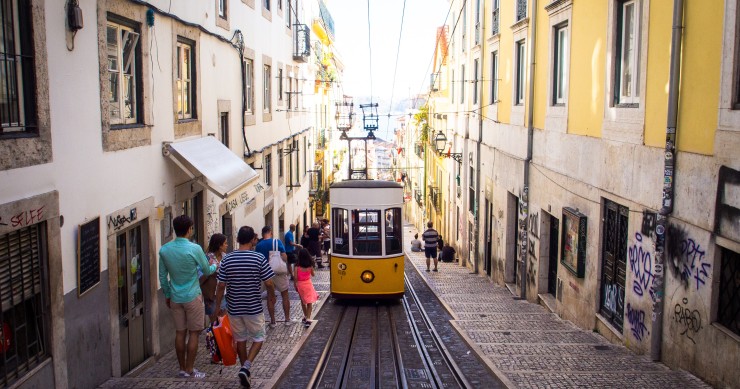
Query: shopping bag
{"type": "Point", "coordinates": [225, 341]}
{"type": "Point", "coordinates": [276, 260]}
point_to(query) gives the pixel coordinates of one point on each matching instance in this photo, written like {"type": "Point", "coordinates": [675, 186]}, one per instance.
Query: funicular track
{"type": "Point", "coordinates": [385, 345]}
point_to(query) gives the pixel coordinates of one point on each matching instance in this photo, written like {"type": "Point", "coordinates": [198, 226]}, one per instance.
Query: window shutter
{"type": "Point", "coordinates": [20, 276]}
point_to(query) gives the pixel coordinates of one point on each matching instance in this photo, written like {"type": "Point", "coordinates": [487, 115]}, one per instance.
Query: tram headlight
{"type": "Point", "coordinates": [367, 276]}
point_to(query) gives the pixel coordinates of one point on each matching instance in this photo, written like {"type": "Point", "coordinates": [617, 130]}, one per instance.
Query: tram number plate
{"type": "Point", "coordinates": [342, 273]}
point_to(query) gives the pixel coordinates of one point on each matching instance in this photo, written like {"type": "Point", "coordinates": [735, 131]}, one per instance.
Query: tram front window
{"type": "Point", "coordinates": [366, 232]}
{"type": "Point", "coordinates": [340, 231]}
{"type": "Point", "coordinates": [393, 232]}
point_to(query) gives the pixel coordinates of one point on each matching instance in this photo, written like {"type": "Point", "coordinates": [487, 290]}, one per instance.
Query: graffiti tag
{"type": "Point", "coordinates": [694, 265]}
{"type": "Point", "coordinates": [641, 264]}
{"type": "Point", "coordinates": [689, 318]}
{"type": "Point", "coordinates": [25, 218]}
{"type": "Point", "coordinates": [613, 297]}
{"type": "Point", "coordinates": [636, 318]}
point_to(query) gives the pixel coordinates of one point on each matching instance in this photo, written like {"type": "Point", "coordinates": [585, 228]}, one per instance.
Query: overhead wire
{"type": "Point", "coordinates": [395, 69]}
{"type": "Point", "coordinates": [431, 60]}
{"type": "Point", "coordinates": [370, 51]}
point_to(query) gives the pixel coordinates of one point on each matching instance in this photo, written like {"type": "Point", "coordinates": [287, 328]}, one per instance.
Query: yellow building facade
{"type": "Point", "coordinates": [574, 188]}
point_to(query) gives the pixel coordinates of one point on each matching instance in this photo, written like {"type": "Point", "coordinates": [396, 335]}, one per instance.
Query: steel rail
{"type": "Point", "coordinates": [436, 338]}
{"type": "Point", "coordinates": [323, 359]}
{"type": "Point", "coordinates": [397, 351]}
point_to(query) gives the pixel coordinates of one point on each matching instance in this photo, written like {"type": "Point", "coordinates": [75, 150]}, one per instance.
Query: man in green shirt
{"type": "Point", "coordinates": [180, 260]}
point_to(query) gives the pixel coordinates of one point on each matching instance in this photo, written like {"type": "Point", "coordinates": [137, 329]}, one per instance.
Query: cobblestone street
{"type": "Point", "coordinates": [523, 343]}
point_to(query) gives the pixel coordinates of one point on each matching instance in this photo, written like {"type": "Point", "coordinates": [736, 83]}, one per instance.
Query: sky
{"type": "Point", "coordinates": [420, 22]}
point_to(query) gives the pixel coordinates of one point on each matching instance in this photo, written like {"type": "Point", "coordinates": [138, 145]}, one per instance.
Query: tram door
{"type": "Point", "coordinates": [131, 265]}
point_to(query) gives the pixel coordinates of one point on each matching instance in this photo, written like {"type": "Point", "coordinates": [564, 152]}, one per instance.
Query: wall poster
{"type": "Point", "coordinates": [574, 241]}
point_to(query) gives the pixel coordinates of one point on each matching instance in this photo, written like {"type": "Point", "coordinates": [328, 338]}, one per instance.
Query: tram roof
{"type": "Point", "coordinates": [367, 184]}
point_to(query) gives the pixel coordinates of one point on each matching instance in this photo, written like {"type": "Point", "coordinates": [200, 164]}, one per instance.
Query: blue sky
{"type": "Point", "coordinates": [422, 17]}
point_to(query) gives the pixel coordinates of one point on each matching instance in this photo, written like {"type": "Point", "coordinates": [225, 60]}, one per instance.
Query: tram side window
{"type": "Point", "coordinates": [366, 232]}
{"type": "Point", "coordinates": [393, 231]}
{"type": "Point", "coordinates": [340, 233]}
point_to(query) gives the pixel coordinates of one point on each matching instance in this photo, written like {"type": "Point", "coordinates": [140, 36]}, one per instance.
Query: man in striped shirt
{"type": "Point", "coordinates": [242, 271]}
{"type": "Point", "coordinates": [430, 237]}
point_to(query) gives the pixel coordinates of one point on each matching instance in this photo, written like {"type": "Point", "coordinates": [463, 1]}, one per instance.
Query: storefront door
{"type": "Point", "coordinates": [132, 265]}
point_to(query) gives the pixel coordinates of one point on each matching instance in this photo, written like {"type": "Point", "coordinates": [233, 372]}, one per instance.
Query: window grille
{"type": "Point", "coordinates": [521, 9]}
{"type": "Point", "coordinates": [495, 21]}
{"type": "Point", "coordinates": [24, 316]}
{"type": "Point", "coordinates": [614, 264]}
{"type": "Point", "coordinates": [17, 81]}
{"type": "Point", "coordinates": [729, 291]}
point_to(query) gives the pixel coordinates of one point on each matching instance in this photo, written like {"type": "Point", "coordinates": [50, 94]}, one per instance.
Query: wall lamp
{"type": "Point", "coordinates": [440, 141]}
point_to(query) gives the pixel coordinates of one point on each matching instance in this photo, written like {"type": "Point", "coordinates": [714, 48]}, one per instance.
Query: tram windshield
{"type": "Point", "coordinates": [366, 232]}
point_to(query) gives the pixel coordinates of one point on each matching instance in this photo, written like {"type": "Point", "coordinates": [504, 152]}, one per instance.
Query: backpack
{"type": "Point", "coordinates": [276, 260]}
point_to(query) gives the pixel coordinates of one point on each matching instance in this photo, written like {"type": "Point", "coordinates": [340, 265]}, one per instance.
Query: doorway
{"type": "Point", "coordinates": [552, 262]}
{"type": "Point", "coordinates": [133, 263]}
{"type": "Point", "coordinates": [488, 263]}
{"type": "Point", "coordinates": [614, 263]}
{"type": "Point", "coordinates": [512, 238]}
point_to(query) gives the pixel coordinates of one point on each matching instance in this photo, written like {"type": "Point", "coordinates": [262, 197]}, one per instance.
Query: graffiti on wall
{"type": "Point", "coordinates": [688, 260]}
{"type": "Point", "coordinates": [24, 218]}
{"type": "Point", "coordinates": [636, 318]}
{"type": "Point", "coordinates": [641, 265]}
{"type": "Point", "coordinates": [212, 219]}
{"type": "Point", "coordinates": [613, 298]}
{"type": "Point", "coordinates": [688, 320]}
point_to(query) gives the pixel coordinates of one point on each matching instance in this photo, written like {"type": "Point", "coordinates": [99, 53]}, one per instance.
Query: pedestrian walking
{"type": "Point", "coordinates": [240, 276]}
{"type": "Point", "coordinates": [290, 248]}
{"type": "Point", "coordinates": [179, 262]}
{"type": "Point", "coordinates": [281, 281]}
{"type": "Point", "coordinates": [416, 244]}
{"type": "Point", "coordinates": [430, 237]}
{"type": "Point", "coordinates": [304, 286]}
{"type": "Point", "coordinates": [217, 247]}
{"type": "Point", "coordinates": [326, 235]}
{"type": "Point", "coordinates": [314, 244]}
{"type": "Point", "coordinates": [304, 238]}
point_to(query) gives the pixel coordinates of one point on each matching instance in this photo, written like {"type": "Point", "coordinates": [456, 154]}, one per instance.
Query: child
{"type": "Point", "coordinates": [303, 285]}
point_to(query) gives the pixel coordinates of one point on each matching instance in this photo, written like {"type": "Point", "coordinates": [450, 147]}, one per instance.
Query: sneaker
{"type": "Point", "coordinates": [290, 322]}
{"type": "Point", "coordinates": [433, 270]}
{"type": "Point", "coordinates": [427, 269]}
{"type": "Point", "coordinates": [198, 374]}
{"type": "Point", "coordinates": [307, 323]}
{"type": "Point", "coordinates": [272, 325]}
{"type": "Point", "coordinates": [244, 377]}
{"type": "Point", "coordinates": [183, 374]}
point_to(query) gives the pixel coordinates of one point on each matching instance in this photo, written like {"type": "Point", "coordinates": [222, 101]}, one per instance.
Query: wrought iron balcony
{"type": "Point", "coordinates": [521, 9]}
{"type": "Point", "coordinates": [477, 33]}
{"type": "Point", "coordinates": [495, 21]}
{"type": "Point", "coordinates": [418, 197]}
{"type": "Point", "coordinates": [434, 82]}
{"type": "Point", "coordinates": [419, 150]}
{"type": "Point", "coordinates": [436, 197]}
{"type": "Point", "coordinates": [301, 43]}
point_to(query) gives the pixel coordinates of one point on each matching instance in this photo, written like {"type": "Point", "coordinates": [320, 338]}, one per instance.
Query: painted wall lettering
{"type": "Point", "coordinates": [687, 258]}
{"type": "Point", "coordinates": [641, 264]}
{"type": "Point", "coordinates": [212, 219]}
{"type": "Point", "coordinates": [119, 221]}
{"type": "Point", "coordinates": [689, 320]}
{"type": "Point", "coordinates": [611, 295]}
{"type": "Point", "coordinates": [636, 318]}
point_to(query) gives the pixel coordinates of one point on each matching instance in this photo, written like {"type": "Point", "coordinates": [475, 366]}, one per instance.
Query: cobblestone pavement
{"type": "Point", "coordinates": [529, 347]}
{"type": "Point", "coordinates": [280, 343]}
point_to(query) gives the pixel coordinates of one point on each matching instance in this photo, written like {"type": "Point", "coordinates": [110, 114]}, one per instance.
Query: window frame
{"type": "Point", "coordinates": [280, 85]}
{"type": "Point", "coordinates": [356, 227]}
{"type": "Point", "coordinates": [560, 64]}
{"type": "Point", "coordinates": [520, 71]}
{"type": "Point", "coordinates": [476, 65]}
{"type": "Point", "coordinates": [340, 229]}
{"type": "Point", "coordinates": [223, 123]}
{"type": "Point", "coordinates": [494, 77]}
{"type": "Point", "coordinates": [462, 84]}
{"type": "Point", "coordinates": [23, 54]}
{"type": "Point", "coordinates": [249, 86]}
{"type": "Point", "coordinates": [267, 88]}
{"type": "Point", "coordinates": [267, 168]}
{"type": "Point", "coordinates": [266, 5]}
{"type": "Point", "coordinates": [396, 230]}
{"type": "Point", "coordinates": [222, 9]}
{"type": "Point", "coordinates": [136, 73]}
{"type": "Point", "coordinates": [621, 99]}
{"type": "Point", "coordinates": [182, 45]}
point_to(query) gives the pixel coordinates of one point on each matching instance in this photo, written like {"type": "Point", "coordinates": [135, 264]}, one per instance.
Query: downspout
{"type": "Point", "coordinates": [666, 209]}
{"type": "Point", "coordinates": [530, 135]}
{"type": "Point", "coordinates": [481, 37]}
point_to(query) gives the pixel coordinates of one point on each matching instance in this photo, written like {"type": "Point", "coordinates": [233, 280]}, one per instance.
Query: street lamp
{"type": "Point", "coordinates": [440, 141]}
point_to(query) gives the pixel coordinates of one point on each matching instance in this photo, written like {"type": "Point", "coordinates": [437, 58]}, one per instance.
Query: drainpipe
{"type": "Point", "coordinates": [668, 179]}
{"type": "Point", "coordinates": [481, 35]}
{"type": "Point", "coordinates": [530, 135]}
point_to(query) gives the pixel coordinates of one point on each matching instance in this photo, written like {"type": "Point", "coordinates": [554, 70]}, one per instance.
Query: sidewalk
{"type": "Point", "coordinates": [278, 346]}
{"type": "Point", "coordinates": [529, 347]}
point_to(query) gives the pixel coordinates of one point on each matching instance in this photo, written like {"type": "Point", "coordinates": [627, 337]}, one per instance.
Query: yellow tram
{"type": "Point", "coordinates": [367, 239]}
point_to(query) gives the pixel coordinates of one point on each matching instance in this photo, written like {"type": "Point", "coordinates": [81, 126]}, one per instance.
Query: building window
{"type": "Point", "coordinates": [494, 77]}
{"type": "Point", "coordinates": [185, 80]}
{"type": "Point", "coordinates": [289, 18]}
{"type": "Point", "coordinates": [17, 81]}
{"type": "Point", "coordinates": [471, 190]}
{"type": "Point", "coordinates": [340, 231]}
{"type": "Point", "coordinates": [728, 313]}
{"type": "Point", "coordinates": [224, 128]}
{"type": "Point", "coordinates": [280, 4]}
{"type": "Point", "coordinates": [475, 81]}
{"type": "Point", "coordinates": [280, 85]}
{"type": "Point", "coordinates": [24, 297]}
{"type": "Point", "coordinates": [267, 168]}
{"type": "Point", "coordinates": [249, 86]}
{"type": "Point", "coordinates": [462, 84]}
{"type": "Point", "coordinates": [520, 71]}
{"type": "Point", "coordinates": [521, 9]}
{"type": "Point", "coordinates": [628, 48]}
{"type": "Point", "coordinates": [280, 163]}
{"type": "Point", "coordinates": [222, 4]}
{"type": "Point", "coordinates": [614, 263]}
{"type": "Point", "coordinates": [495, 18]}
{"type": "Point", "coordinates": [393, 231]}
{"type": "Point", "coordinates": [267, 92]}
{"type": "Point", "coordinates": [124, 73]}
{"type": "Point", "coordinates": [452, 88]}
{"type": "Point", "coordinates": [560, 64]}
{"type": "Point", "coordinates": [266, 4]}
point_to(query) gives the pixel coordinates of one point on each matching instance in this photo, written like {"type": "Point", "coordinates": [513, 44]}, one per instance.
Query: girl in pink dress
{"type": "Point", "coordinates": [303, 285]}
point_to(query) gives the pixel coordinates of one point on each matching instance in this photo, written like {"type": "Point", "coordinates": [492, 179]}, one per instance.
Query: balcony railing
{"type": "Point", "coordinates": [521, 9]}
{"type": "Point", "coordinates": [436, 197]}
{"type": "Point", "coordinates": [419, 150]}
{"type": "Point", "coordinates": [477, 33]}
{"type": "Point", "coordinates": [495, 21]}
{"type": "Point", "coordinates": [301, 43]}
{"type": "Point", "coordinates": [434, 82]}
{"type": "Point", "coordinates": [418, 197]}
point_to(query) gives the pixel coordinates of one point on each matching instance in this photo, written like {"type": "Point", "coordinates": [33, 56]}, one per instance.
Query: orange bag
{"type": "Point", "coordinates": [225, 341]}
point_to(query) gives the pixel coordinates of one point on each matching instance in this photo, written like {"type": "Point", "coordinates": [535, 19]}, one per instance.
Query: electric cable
{"type": "Point", "coordinates": [370, 52]}
{"type": "Point", "coordinates": [395, 69]}
{"type": "Point", "coordinates": [431, 60]}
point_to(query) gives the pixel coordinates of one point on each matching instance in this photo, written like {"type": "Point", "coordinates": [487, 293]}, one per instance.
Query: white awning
{"type": "Point", "coordinates": [222, 171]}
